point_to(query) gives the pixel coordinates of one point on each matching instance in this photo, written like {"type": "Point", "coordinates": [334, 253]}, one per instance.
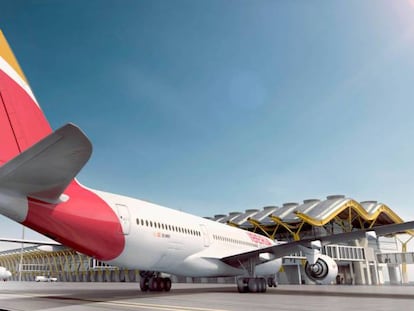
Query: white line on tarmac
{"type": "Point", "coordinates": [156, 307]}
{"type": "Point", "coordinates": [135, 305]}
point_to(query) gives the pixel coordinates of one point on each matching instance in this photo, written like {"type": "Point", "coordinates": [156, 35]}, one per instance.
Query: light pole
{"type": "Point", "coordinates": [21, 256]}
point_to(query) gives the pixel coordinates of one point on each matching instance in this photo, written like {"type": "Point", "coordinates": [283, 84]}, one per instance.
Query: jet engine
{"type": "Point", "coordinates": [324, 271]}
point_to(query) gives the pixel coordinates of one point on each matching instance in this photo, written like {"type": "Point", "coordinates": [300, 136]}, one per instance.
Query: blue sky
{"type": "Point", "coordinates": [216, 106]}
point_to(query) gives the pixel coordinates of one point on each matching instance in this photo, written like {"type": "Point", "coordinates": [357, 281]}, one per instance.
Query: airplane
{"type": "Point", "coordinates": [39, 189]}
{"type": "Point", "coordinates": [4, 274]}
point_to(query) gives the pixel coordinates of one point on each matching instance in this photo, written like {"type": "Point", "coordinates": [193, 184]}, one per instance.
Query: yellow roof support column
{"type": "Point", "coordinates": [273, 236]}
{"type": "Point", "coordinates": [289, 228]}
{"type": "Point", "coordinates": [258, 225]}
{"type": "Point", "coordinates": [404, 263]}
{"type": "Point", "coordinates": [296, 235]}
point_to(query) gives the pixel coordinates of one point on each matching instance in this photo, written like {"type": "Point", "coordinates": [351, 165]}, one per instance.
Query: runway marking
{"type": "Point", "coordinates": [157, 307]}
{"type": "Point", "coordinates": [136, 305]}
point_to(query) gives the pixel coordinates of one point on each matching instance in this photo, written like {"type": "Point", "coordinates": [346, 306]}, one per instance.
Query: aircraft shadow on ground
{"type": "Point", "coordinates": [105, 295]}
{"type": "Point", "coordinates": [91, 296]}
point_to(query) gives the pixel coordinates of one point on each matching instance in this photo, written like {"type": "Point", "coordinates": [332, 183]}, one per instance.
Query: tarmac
{"type": "Point", "coordinates": [200, 297]}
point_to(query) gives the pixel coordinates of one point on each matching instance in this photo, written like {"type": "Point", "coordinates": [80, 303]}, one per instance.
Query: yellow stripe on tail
{"type": "Point", "coordinates": [7, 54]}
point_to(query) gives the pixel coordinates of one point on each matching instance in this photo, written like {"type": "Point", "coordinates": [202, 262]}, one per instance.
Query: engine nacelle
{"type": "Point", "coordinates": [324, 271]}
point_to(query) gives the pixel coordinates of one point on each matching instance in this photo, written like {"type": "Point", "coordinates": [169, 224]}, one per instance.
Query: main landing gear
{"type": "Point", "coordinates": [152, 281]}
{"type": "Point", "coordinates": [251, 285]}
{"type": "Point", "coordinates": [272, 282]}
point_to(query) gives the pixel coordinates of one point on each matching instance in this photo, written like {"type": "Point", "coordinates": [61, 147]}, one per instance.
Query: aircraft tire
{"type": "Point", "coordinates": [160, 284]}
{"type": "Point", "coordinates": [143, 283]}
{"type": "Point", "coordinates": [263, 284]}
{"type": "Point", "coordinates": [270, 282]}
{"type": "Point", "coordinates": [253, 285]}
{"type": "Point", "coordinates": [260, 286]}
{"type": "Point", "coordinates": [242, 286]}
{"type": "Point", "coordinates": [167, 284]}
{"type": "Point", "coordinates": [154, 284]}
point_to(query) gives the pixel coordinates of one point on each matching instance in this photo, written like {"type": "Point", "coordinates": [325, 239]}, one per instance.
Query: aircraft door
{"type": "Point", "coordinates": [206, 237]}
{"type": "Point", "coordinates": [124, 219]}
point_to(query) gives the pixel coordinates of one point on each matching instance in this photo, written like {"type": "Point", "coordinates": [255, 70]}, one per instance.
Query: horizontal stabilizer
{"type": "Point", "coordinates": [20, 241]}
{"type": "Point", "coordinates": [46, 169]}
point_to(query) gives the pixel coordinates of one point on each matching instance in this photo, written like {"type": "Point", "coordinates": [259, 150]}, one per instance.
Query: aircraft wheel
{"type": "Point", "coordinates": [161, 284]}
{"type": "Point", "coordinates": [167, 284]}
{"type": "Point", "coordinates": [263, 285]}
{"type": "Point", "coordinates": [153, 284]}
{"type": "Point", "coordinates": [242, 286]}
{"type": "Point", "coordinates": [260, 284]}
{"type": "Point", "coordinates": [253, 285]}
{"type": "Point", "coordinates": [143, 283]}
{"type": "Point", "coordinates": [270, 282]}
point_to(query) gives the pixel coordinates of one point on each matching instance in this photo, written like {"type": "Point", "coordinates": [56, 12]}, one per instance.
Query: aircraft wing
{"type": "Point", "coordinates": [288, 248]}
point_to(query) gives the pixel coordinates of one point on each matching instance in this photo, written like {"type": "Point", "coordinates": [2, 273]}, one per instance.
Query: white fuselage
{"type": "Point", "coordinates": [166, 240]}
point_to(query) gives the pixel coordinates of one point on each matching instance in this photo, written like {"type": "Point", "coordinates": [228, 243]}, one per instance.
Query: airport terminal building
{"type": "Point", "coordinates": [362, 262]}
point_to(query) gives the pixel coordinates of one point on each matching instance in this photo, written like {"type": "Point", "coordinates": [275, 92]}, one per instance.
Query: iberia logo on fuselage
{"type": "Point", "coordinates": [258, 239]}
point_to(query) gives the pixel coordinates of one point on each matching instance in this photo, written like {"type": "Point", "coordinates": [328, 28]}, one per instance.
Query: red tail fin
{"type": "Point", "coordinates": [22, 122]}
